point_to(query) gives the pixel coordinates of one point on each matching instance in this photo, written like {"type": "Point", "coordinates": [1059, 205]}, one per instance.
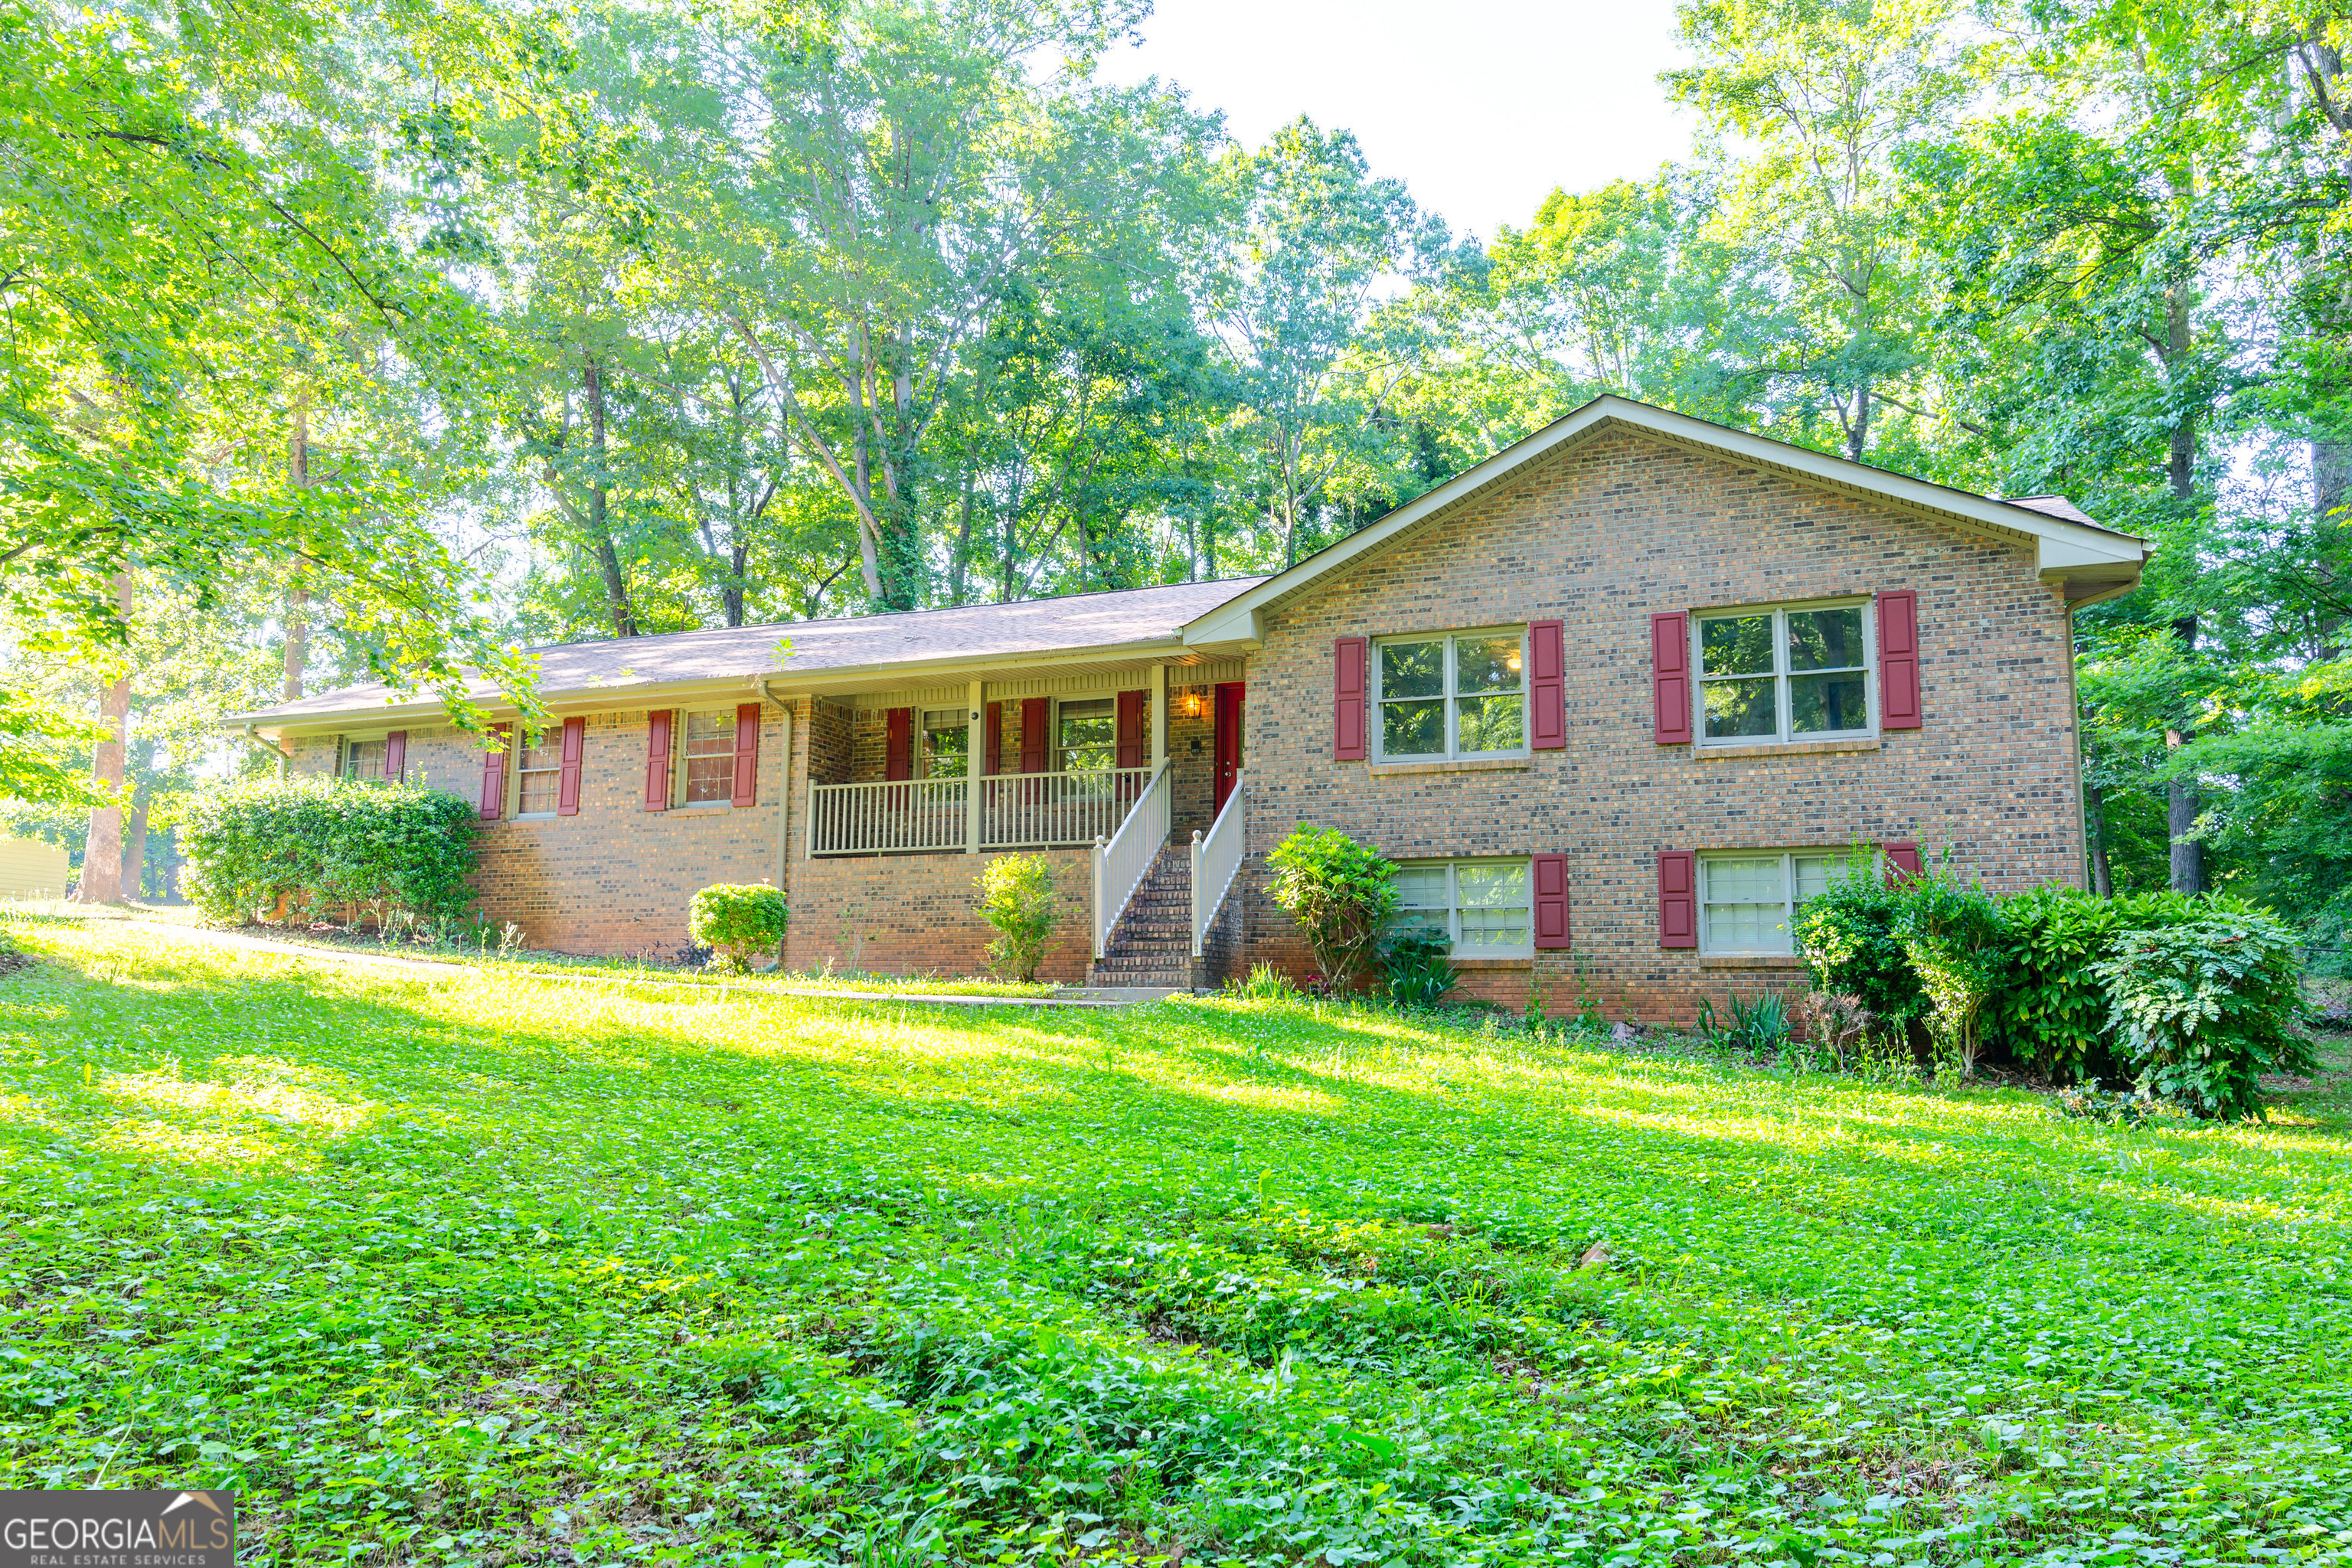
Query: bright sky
{"type": "Point", "coordinates": [1481, 106]}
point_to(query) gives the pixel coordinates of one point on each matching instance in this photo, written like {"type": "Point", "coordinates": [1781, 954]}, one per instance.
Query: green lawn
{"type": "Point", "coordinates": [488, 1269]}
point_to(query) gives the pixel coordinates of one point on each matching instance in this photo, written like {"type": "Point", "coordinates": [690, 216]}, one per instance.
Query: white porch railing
{"type": "Point", "coordinates": [886, 818]}
{"type": "Point", "coordinates": [1017, 811]}
{"type": "Point", "coordinates": [1121, 863]}
{"type": "Point", "coordinates": [1217, 858]}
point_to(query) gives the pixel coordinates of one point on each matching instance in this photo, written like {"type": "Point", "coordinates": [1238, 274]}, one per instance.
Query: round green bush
{"type": "Point", "coordinates": [739, 918]}
{"type": "Point", "coordinates": [319, 842]}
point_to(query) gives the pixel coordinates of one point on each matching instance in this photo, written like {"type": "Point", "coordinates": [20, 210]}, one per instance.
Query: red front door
{"type": "Point", "coordinates": [1228, 739]}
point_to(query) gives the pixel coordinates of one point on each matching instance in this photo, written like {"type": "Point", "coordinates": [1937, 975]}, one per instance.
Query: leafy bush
{"type": "Point", "coordinates": [1416, 964]}
{"type": "Point", "coordinates": [322, 843]}
{"type": "Point", "coordinates": [1342, 893]}
{"type": "Point", "coordinates": [1757, 1028]}
{"type": "Point", "coordinates": [739, 918]}
{"type": "Point", "coordinates": [2048, 1010]}
{"type": "Point", "coordinates": [1846, 936]}
{"type": "Point", "coordinates": [1264, 984]}
{"type": "Point", "coordinates": [1017, 898]}
{"type": "Point", "coordinates": [2199, 1011]}
{"type": "Point", "coordinates": [1950, 932]}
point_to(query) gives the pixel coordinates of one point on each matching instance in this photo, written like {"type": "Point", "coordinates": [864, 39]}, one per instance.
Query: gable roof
{"type": "Point", "coordinates": [2072, 554]}
{"type": "Point", "coordinates": [1114, 624]}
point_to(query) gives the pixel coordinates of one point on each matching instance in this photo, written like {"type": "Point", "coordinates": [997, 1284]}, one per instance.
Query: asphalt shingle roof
{"type": "Point", "coordinates": [1072, 622]}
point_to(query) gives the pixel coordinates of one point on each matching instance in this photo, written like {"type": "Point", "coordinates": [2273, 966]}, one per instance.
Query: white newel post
{"type": "Point", "coordinates": [1197, 893]}
{"type": "Point", "coordinates": [1095, 913]}
{"type": "Point", "coordinates": [975, 747]}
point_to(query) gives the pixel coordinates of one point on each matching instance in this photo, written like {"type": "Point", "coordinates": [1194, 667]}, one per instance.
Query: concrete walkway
{"type": "Point", "coordinates": [244, 943]}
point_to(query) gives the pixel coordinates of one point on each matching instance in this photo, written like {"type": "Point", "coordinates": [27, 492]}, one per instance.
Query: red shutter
{"type": "Point", "coordinates": [1670, 682]}
{"type": "Point", "coordinates": [1898, 659]}
{"type": "Point", "coordinates": [658, 725]}
{"type": "Point", "coordinates": [1037, 718]}
{"type": "Point", "coordinates": [993, 743]}
{"type": "Point", "coordinates": [1551, 901]}
{"type": "Point", "coordinates": [493, 775]}
{"type": "Point", "coordinates": [1132, 747]}
{"type": "Point", "coordinates": [899, 743]}
{"type": "Point", "coordinates": [1901, 859]}
{"type": "Point", "coordinates": [747, 754]}
{"type": "Point", "coordinates": [1677, 897]}
{"type": "Point", "coordinates": [567, 781]}
{"type": "Point", "coordinates": [1547, 691]}
{"type": "Point", "coordinates": [396, 755]}
{"type": "Point", "coordinates": [1348, 656]}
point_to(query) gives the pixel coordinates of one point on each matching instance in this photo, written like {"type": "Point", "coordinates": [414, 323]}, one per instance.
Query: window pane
{"type": "Point", "coordinates": [1825, 639]}
{"type": "Point", "coordinates": [363, 760]}
{"type": "Point", "coordinates": [1813, 873]}
{"type": "Point", "coordinates": [1736, 644]}
{"type": "Point", "coordinates": [1494, 928]}
{"type": "Point", "coordinates": [1492, 886]}
{"type": "Point", "coordinates": [1732, 881]}
{"type": "Point", "coordinates": [710, 757]}
{"type": "Point", "coordinates": [1747, 927]}
{"type": "Point", "coordinates": [1818, 702]}
{"type": "Point", "coordinates": [1741, 708]}
{"type": "Point", "coordinates": [1486, 664]}
{"type": "Point", "coordinates": [1412, 729]}
{"type": "Point", "coordinates": [946, 743]}
{"type": "Point", "coordinates": [1491, 724]}
{"type": "Point", "coordinates": [1420, 888]}
{"type": "Point", "coordinates": [1089, 734]}
{"type": "Point", "coordinates": [1412, 669]}
{"type": "Point", "coordinates": [1743, 908]}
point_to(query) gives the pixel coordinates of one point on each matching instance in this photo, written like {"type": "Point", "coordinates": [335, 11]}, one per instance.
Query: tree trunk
{"type": "Point", "coordinates": [134, 835]}
{"type": "Point", "coordinates": [1857, 435]}
{"type": "Point", "coordinates": [172, 864]}
{"type": "Point", "coordinates": [2094, 817]}
{"type": "Point", "coordinates": [2180, 462]}
{"type": "Point", "coordinates": [2181, 805]}
{"type": "Point", "coordinates": [101, 851]}
{"type": "Point", "coordinates": [600, 528]}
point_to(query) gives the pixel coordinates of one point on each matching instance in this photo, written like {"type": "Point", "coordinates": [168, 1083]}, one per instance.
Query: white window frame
{"type": "Point", "coordinates": [1376, 719]}
{"type": "Point", "coordinates": [343, 745]}
{"type": "Point", "coordinates": [1054, 761]}
{"type": "Point", "coordinates": [1452, 921]}
{"type": "Point", "coordinates": [1784, 733]}
{"type": "Point", "coordinates": [923, 757]}
{"type": "Point", "coordinates": [1787, 926]}
{"type": "Point", "coordinates": [515, 750]}
{"type": "Point", "coordinates": [677, 761]}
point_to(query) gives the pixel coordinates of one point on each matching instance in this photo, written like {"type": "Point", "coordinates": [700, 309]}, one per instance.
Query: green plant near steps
{"type": "Point", "coordinates": [1416, 965]}
{"type": "Point", "coordinates": [1264, 983]}
{"type": "Point", "coordinates": [1343, 895]}
{"type": "Point", "coordinates": [1018, 901]}
{"type": "Point", "coordinates": [318, 845]}
{"type": "Point", "coordinates": [2201, 1011]}
{"type": "Point", "coordinates": [738, 919]}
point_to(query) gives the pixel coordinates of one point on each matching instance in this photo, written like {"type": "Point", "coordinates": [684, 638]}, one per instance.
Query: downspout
{"type": "Point", "coordinates": [285, 758]}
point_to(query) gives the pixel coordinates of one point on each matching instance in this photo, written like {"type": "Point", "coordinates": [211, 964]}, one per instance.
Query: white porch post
{"type": "Point", "coordinates": [975, 747]}
{"type": "Point", "coordinates": [1159, 716]}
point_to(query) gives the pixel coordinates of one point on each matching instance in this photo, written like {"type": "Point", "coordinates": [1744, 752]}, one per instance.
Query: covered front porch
{"type": "Point", "coordinates": [1121, 763]}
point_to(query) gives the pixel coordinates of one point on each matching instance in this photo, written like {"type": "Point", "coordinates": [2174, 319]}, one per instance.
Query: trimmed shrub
{"type": "Point", "coordinates": [1847, 938]}
{"type": "Point", "coordinates": [1342, 894]}
{"type": "Point", "coordinates": [2202, 1010]}
{"type": "Point", "coordinates": [1017, 898]}
{"type": "Point", "coordinates": [1950, 932]}
{"type": "Point", "coordinates": [321, 844]}
{"type": "Point", "coordinates": [2048, 1009]}
{"type": "Point", "coordinates": [738, 919]}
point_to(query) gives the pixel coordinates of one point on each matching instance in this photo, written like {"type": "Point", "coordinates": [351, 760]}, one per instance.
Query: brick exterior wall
{"type": "Point", "coordinates": [1602, 536]}
{"type": "Point", "coordinates": [912, 914]}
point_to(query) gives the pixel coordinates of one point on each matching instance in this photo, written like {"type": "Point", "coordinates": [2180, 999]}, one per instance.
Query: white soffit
{"type": "Point", "coordinates": [2065, 550]}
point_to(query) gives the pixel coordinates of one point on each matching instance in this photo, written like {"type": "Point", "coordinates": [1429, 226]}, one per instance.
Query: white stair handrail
{"type": "Point", "coordinates": [1217, 859]}
{"type": "Point", "coordinates": [1122, 862]}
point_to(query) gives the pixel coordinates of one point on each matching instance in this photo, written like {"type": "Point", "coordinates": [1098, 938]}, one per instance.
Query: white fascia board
{"type": "Point", "coordinates": [1228, 628]}
{"type": "Point", "coordinates": [2096, 544]}
{"type": "Point", "coordinates": [576, 700]}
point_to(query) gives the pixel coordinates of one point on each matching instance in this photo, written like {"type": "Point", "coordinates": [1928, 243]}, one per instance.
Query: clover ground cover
{"type": "Point", "coordinates": [481, 1268]}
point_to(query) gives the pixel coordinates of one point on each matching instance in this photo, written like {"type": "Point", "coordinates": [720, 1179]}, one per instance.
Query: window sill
{"type": "Point", "coordinates": [1750, 961]}
{"type": "Point", "coordinates": [1791, 748]}
{"type": "Point", "coordinates": [1525, 963]}
{"type": "Point", "coordinates": [1466, 765]}
{"type": "Point", "coordinates": [705, 805]}
{"type": "Point", "coordinates": [536, 815]}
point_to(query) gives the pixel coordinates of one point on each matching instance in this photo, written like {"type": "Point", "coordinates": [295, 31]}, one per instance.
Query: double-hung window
{"type": "Point", "coordinates": [946, 743]}
{"type": "Point", "coordinates": [1461, 695]}
{"type": "Point", "coordinates": [710, 746]}
{"type": "Point", "coordinates": [1791, 672]}
{"type": "Point", "coordinates": [1087, 737]}
{"type": "Point", "coordinates": [539, 778]}
{"type": "Point", "coordinates": [363, 759]}
{"type": "Point", "coordinates": [1485, 906]}
{"type": "Point", "coordinates": [1748, 900]}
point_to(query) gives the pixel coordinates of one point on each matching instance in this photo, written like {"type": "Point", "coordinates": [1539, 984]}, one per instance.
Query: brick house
{"type": "Point", "coordinates": [1615, 699]}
